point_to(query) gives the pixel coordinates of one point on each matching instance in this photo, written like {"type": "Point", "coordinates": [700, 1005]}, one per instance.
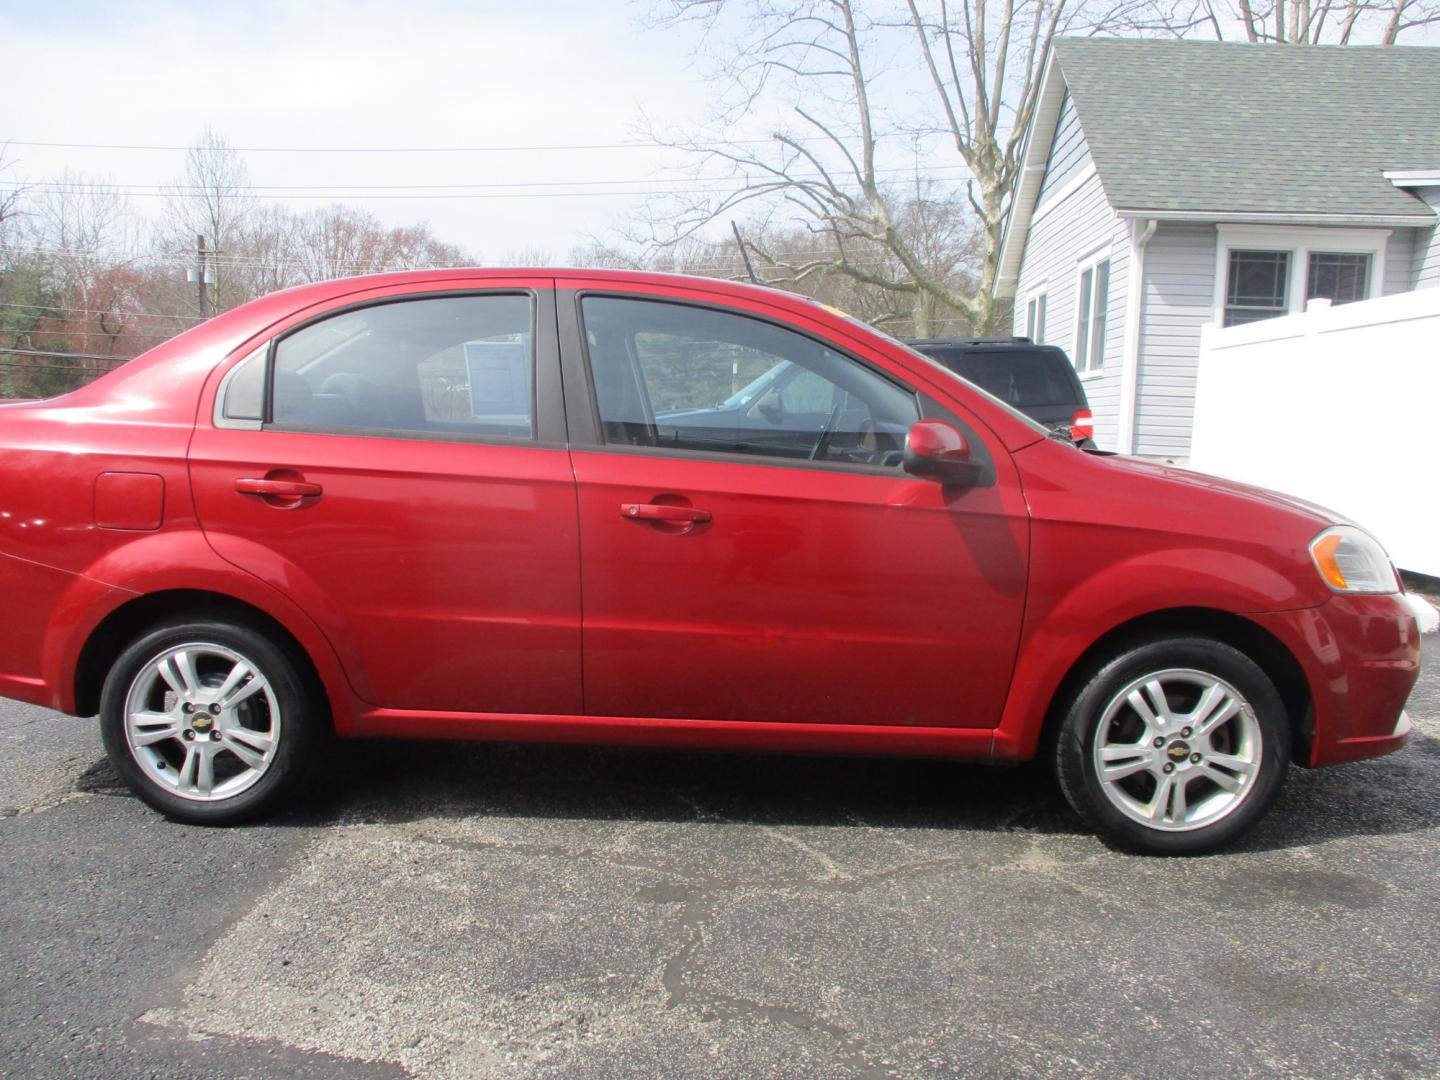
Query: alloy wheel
{"type": "Point", "coordinates": [1177, 749]}
{"type": "Point", "coordinates": [202, 721]}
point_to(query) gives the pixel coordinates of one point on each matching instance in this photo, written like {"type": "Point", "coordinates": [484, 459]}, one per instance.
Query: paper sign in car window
{"type": "Point", "coordinates": [499, 373]}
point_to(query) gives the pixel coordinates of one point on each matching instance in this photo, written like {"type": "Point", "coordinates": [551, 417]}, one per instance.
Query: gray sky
{"type": "Point", "coordinates": [413, 73]}
{"type": "Point", "coordinates": [361, 74]}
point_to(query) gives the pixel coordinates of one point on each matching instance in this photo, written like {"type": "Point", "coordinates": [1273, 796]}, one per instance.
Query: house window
{"type": "Point", "coordinates": [1035, 319]}
{"type": "Point", "coordinates": [1265, 271]}
{"type": "Point", "coordinates": [1092, 301]}
{"type": "Point", "coordinates": [1257, 286]}
{"type": "Point", "coordinates": [1341, 278]}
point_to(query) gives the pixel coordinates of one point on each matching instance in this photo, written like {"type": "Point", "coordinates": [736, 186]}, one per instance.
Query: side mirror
{"type": "Point", "coordinates": [937, 449]}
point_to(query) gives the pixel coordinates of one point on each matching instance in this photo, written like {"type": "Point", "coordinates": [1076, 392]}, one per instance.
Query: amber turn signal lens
{"type": "Point", "coordinates": [1324, 552]}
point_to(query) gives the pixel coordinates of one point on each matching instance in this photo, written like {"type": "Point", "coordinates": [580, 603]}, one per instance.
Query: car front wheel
{"type": "Point", "coordinates": [1174, 746]}
{"type": "Point", "coordinates": [207, 722]}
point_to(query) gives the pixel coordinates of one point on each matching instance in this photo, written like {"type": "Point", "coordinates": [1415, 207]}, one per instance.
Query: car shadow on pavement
{"type": "Point", "coordinates": [396, 782]}
{"type": "Point", "coordinates": [404, 781]}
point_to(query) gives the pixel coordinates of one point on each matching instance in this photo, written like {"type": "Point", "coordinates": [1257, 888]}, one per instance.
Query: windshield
{"type": "Point", "coordinates": [753, 389]}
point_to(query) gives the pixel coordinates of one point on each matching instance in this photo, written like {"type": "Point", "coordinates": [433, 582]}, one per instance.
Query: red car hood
{"type": "Point", "coordinates": [1204, 481]}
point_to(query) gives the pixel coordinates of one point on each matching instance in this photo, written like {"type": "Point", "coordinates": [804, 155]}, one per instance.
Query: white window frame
{"type": "Point", "coordinates": [1300, 242]}
{"type": "Point", "coordinates": [1037, 295]}
{"type": "Point", "coordinates": [1087, 318]}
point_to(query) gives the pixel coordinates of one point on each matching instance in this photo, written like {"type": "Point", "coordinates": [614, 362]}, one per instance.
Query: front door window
{"type": "Point", "coordinates": [663, 371]}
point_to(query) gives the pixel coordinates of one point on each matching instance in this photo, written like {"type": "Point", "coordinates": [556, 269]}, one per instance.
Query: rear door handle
{"type": "Point", "coordinates": [282, 489]}
{"type": "Point", "coordinates": [680, 515]}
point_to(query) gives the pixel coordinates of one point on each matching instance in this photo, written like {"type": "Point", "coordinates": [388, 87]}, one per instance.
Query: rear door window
{"type": "Point", "coordinates": [458, 366]}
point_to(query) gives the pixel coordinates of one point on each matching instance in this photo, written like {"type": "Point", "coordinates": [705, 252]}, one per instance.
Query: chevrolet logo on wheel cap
{"type": "Point", "coordinates": [200, 723]}
{"type": "Point", "coordinates": [1178, 751]}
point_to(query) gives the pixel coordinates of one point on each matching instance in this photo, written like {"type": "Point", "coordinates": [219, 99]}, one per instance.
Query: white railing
{"type": "Point", "coordinates": [1340, 406]}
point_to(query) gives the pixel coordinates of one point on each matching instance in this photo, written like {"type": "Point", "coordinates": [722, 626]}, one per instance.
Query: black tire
{"type": "Point", "coordinates": [284, 706]}
{"type": "Point", "coordinates": [1161, 756]}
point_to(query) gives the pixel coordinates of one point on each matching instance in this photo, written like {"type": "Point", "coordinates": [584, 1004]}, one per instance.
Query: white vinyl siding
{"type": "Point", "coordinates": [1427, 245]}
{"type": "Point", "coordinates": [1400, 257]}
{"type": "Point", "coordinates": [1076, 231]}
{"type": "Point", "coordinates": [1178, 298]}
{"type": "Point", "coordinates": [1069, 153]}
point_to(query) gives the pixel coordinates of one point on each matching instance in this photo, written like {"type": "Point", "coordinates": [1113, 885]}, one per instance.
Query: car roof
{"type": "Point", "coordinates": [968, 341]}
{"type": "Point", "coordinates": [324, 290]}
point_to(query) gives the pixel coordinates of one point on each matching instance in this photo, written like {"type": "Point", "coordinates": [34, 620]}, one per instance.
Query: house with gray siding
{"type": "Point", "coordinates": [1167, 185]}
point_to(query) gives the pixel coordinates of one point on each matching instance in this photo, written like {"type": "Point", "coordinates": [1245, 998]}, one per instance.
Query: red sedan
{"type": "Point", "coordinates": [548, 505]}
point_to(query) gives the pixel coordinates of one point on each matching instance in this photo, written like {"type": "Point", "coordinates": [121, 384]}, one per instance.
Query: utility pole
{"type": "Point", "coordinates": [200, 274]}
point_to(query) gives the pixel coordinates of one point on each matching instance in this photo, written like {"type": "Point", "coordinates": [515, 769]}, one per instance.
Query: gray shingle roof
{"type": "Point", "coordinates": [1231, 127]}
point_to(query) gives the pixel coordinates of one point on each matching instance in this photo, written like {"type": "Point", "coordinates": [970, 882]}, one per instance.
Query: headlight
{"type": "Point", "coordinates": [1353, 561]}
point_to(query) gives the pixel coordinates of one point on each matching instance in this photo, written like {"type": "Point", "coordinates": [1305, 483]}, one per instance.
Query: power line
{"type": "Point", "coordinates": [45, 309]}
{"type": "Point", "coordinates": [261, 262]}
{"type": "Point", "coordinates": [463, 195]}
{"type": "Point", "coordinates": [63, 355]}
{"type": "Point", "coordinates": [631, 144]}
{"type": "Point", "coordinates": [52, 184]}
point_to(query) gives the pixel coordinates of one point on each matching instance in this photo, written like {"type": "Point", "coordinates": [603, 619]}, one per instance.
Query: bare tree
{"type": "Point", "coordinates": [980, 64]}
{"type": "Point", "coordinates": [1298, 22]}
{"type": "Point", "coordinates": [340, 240]}
{"type": "Point", "coordinates": [87, 237]}
{"type": "Point", "coordinates": [214, 200]}
{"type": "Point", "coordinates": [10, 196]}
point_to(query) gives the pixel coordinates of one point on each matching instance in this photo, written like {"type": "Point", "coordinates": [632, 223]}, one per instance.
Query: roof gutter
{"type": "Point", "coordinates": [1247, 217]}
{"type": "Point", "coordinates": [1141, 230]}
{"type": "Point", "coordinates": [1033, 155]}
{"type": "Point", "coordinates": [1408, 178]}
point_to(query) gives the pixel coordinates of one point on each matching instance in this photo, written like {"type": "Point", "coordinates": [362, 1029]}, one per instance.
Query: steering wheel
{"type": "Point", "coordinates": [866, 436]}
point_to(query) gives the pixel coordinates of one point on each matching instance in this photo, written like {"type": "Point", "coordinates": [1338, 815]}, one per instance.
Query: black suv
{"type": "Point", "coordinates": [1039, 380]}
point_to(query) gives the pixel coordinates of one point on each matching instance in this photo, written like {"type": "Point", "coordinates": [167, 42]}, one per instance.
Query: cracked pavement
{"type": "Point", "coordinates": [492, 911]}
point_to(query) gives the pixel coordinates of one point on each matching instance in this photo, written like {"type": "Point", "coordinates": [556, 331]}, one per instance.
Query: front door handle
{"type": "Point", "coordinates": [282, 489]}
{"type": "Point", "coordinates": [675, 515]}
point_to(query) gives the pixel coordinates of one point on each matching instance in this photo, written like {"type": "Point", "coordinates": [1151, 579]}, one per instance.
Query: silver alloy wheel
{"type": "Point", "coordinates": [202, 722]}
{"type": "Point", "coordinates": [1177, 750]}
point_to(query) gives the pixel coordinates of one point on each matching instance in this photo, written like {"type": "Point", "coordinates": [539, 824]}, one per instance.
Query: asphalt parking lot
{"type": "Point", "coordinates": [474, 911]}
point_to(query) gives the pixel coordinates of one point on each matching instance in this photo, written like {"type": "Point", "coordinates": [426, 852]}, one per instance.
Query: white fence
{"type": "Point", "coordinates": [1340, 406]}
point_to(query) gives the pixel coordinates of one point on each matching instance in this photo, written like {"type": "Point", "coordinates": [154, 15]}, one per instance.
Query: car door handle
{"type": "Point", "coordinates": [282, 489]}
{"type": "Point", "coordinates": [680, 515]}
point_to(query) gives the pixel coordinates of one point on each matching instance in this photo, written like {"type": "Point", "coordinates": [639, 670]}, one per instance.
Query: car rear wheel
{"type": "Point", "coordinates": [207, 722]}
{"type": "Point", "coordinates": [1174, 746]}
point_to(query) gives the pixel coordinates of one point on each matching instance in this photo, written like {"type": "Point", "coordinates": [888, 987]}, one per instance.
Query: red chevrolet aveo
{"type": "Point", "coordinates": [627, 508]}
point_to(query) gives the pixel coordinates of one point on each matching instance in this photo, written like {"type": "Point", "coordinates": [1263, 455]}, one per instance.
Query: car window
{"type": "Point", "coordinates": [801, 392]}
{"type": "Point", "coordinates": [662, 372]}
{"type": "Point", "coordinates": [244, 393]}
{"type": "Point", "coordinates": [1019, 377]}
{"type": "Point", "coordinates": [461, 365]}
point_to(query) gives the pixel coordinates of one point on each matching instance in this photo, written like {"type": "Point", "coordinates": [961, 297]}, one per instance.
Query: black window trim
{"type": "Point", "coordinates": [587, 434]}
{"type": "Point", "coordinates": [546, 393]}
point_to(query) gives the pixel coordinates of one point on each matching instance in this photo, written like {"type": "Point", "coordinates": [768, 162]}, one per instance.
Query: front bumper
{"type": "Point", "coordinates": [1361, 657]}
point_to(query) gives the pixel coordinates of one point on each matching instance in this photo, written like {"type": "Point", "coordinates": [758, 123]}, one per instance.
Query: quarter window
{"type": "Point", "coordinates": [245, 388]}
{"type": "Point", "coordinates": [677, 377]}
{"type": "Point", "coordinates": [460, 366]}
{"type": "Point", "coordinates": [1091, 306]}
